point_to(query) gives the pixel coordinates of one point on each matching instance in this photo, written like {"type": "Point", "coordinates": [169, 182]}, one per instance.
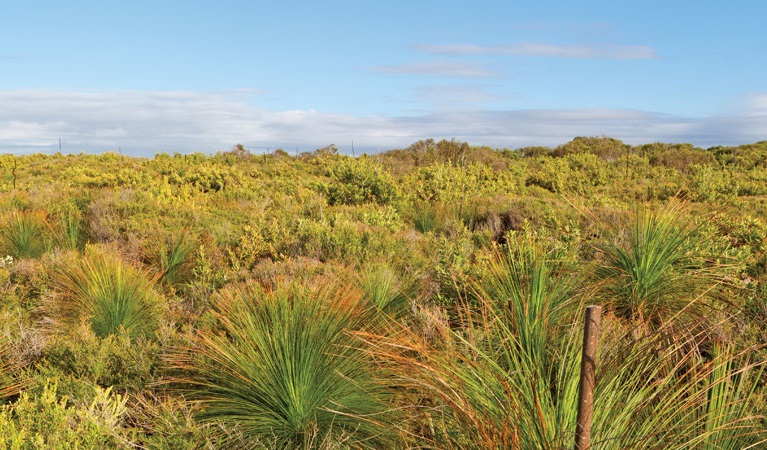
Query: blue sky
{"type": "Point", "coordinates": [152, 76]}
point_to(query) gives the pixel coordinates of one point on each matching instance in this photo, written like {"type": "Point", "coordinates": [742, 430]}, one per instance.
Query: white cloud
{"type": "Point", "coordinates": [546, 50]}
{"type": "Point", "coordinates": [144, 123]}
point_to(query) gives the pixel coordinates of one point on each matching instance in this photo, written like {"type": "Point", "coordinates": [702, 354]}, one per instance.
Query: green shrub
{"type": "Point", "coordinates": [359, 180]}
{"type": "Point", "coordinates": [128, 364]}
{"type": "Point", "coordinates": [263, 238]}
{"type": "Point", "coordinates": [550, 174]}
{"type": "Point", "coordinates": [49, 421]}
{"type": "Point", "coordinates": [167, 423]}
{"type": "Point", "coordinates": [341, 238]}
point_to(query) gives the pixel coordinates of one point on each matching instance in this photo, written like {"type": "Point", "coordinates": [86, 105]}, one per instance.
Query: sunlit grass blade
{"type": "Point", "coordinates": [9, 365]}
{"type": "Point", "coordinates": [647, 397]}
{"type": "Point", "coordinates": [385, 291]}
{"type": "Point", "coordinates": [173, 261]}
{"type": "Point", "coordinates": [71, 229]}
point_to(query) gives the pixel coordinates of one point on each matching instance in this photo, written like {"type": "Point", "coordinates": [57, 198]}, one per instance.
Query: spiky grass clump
{"type": "Point", "coordinates": [175, 261]}
{"type": "Point", "coordinates": [285, 373]}
{"type": "Point", "coordinates": [71, 229]}
{"type": "Point", "coordinates": [508, 377]}
{"type": "Point", "coordinates": [654, 272]}
{"type": "Point", "coordinates": [525, 287]}
{"type": "Point", "coordinates": [25, 234]}
{"type": "Point", "coordinates": [107, 293]}
{"type": "Point", "coordinates": [384, 290]}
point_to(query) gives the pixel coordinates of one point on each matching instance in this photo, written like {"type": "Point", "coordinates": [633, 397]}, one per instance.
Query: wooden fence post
{"type": "Point", "coordinates": [586, 388]}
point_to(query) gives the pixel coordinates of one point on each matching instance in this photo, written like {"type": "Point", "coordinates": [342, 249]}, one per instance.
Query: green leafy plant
{"type": "Point", "coordinates": [119, 360]}
{"type": "Point", "coordinates": [49, 421]}
{"type": "Point", "coordinates": [357, 181]}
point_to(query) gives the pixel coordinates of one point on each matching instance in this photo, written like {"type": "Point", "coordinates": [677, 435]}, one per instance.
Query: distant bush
{"type": "Point", "coordinates": [359, 180]}
{"type": "Point", "coordinates": [605, 148]}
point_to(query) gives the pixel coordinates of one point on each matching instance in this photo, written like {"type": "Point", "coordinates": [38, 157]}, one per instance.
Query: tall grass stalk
{"type": "Point", "coordinates": [71, 226]}
{"type": "Point", "coordinates": [9, 365]}
{"type": "Point", "coordinates": [284, 373]}
{"type": "Point", "coordinates": [173, 261]}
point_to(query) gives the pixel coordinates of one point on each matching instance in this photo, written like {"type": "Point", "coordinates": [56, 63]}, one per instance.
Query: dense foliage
{"type": "Point", "coordinates": [430, 297]}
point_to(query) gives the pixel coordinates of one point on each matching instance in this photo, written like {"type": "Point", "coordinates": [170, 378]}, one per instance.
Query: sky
{"type": "Point", "coordinates": [143, 77]}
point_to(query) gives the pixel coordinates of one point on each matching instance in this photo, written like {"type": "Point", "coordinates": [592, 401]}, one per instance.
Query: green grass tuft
{"type": "Point", "coordinates": [107, 293]}
{"type": "Point", "coordinates": [24, 235]}
{"type": "Point", "coordinates": [284, 372]}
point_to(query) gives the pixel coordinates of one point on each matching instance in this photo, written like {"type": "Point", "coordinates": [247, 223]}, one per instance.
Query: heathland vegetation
{"type": "Point", "coordinates": [430, 297]}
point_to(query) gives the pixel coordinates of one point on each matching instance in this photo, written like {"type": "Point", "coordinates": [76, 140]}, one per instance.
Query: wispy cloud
{"type": "Point", "coordinates": [144, 123]}
{"type": "Point", "coordinates": [450, 69]}
{"type": "Point", "coordinates": [7, 57]}
{"type": "Point", "coordinates": [455, 95]}
{"type": "Point", "coordinates": [544, 50]}
{"type": "Point", "coordinates": [757, 104]}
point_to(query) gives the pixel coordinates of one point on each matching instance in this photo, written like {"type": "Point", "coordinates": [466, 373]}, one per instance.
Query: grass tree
{"type": "Point", "coordinates": [175, 261]}
{"type": "Point", "coordinates": [505, 377]}
{"type": "Point", "coordinates": [71, 228]}
{"type": "Point", "coordinates": [508, 376]}
{"type": "Point", "coordinates": [283, 372]}
{"type": "Point", "coordinates": [653, 399]}
{"type": "Point", "coordinates": [25, 234]}
{"type": "Point", "coordinates": [386, 291]}
{"type": "Point", "coordinates": [106, 292]}
{"type": "Point", "coordinates": [653, 271]}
